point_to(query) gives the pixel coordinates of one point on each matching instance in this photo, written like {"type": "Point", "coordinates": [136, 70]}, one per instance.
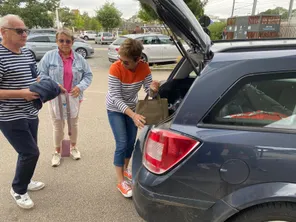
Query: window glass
{"type": "Point", "coordinates": [269, 103]}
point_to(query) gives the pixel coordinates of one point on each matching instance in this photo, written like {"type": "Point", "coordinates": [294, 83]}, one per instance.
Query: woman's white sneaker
{"type": "Point", "coordinates": [56, 159]}
{"type": "Point", "coordinates": [24, 201]}
{"type": "Point", "coordinates": [75, 154]}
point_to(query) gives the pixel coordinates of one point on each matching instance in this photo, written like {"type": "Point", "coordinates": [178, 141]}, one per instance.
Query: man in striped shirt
{"type": "Point", "coordinates": [126, 78]}
{"type": "Point", "coordinates": [18, 118]}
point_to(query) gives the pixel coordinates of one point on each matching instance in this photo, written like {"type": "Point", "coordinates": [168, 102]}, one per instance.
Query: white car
{"type": "Point", "coordinates": [87, 35]}
{"type": "Point", "coordinates": [157, 48]}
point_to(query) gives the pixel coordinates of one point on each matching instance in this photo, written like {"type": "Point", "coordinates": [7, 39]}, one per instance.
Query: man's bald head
{"type": "Point", "coordinates": [10, 20]}
{"type": "Point", "coordinates": [14, 31]}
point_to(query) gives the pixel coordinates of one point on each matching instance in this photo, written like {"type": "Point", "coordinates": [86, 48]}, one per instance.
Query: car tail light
{"type": "Point", "coordinates": [102, 38]}
{"type": "Point", "coordinates": [117, 49]}
{"type": "Point", "coordinates": [164, 149]}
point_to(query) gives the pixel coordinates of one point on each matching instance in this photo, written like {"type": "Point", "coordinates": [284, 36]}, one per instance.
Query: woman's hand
{"type": "Point", "coordinates": [75, 92]}
{"type": "Point", "coordinates": [154, 86]}
{"type": "Point", "coordinates": [62, 88]}
{"type": "Point", "coordinates": [139, 120]}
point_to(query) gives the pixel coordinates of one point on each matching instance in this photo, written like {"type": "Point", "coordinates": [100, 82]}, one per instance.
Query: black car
{"type": "Point", "coordinates": [227, 152]}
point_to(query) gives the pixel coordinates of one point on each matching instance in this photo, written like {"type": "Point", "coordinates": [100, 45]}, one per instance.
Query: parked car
{"type": "Point", "coordinates": [88, 35]}
{"type": "Point", "coordinates": [227, 151]}
{"type": "Point", "coordinates": [104, 38]}
{"type": "Point", "coordinates": [157, 48]}
{"type": "Point", "coordinates": [40, 44]}
{"type": "Point", "coordinates": [42, 31]}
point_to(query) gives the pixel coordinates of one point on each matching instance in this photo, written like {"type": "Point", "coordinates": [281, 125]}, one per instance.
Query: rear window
{"type": "Point", "coordinates": [119, 41]}
{"type": "Point", "coordinates": [107, 34]}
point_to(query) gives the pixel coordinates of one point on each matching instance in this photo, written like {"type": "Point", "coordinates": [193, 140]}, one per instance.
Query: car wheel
{"type": "Point", "coordinates": [276, 212]}
{"type": "Point", "coordinates": [86, 38]}
{"type": "Point", "coordinates": [82, 52]}
{"type": "Point", "coordinates": [144, 58]}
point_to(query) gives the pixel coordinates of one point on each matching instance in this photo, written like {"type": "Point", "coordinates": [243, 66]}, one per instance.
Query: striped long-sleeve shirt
{"type": "Point", "coordinates": [17, 71]}
{"type": "Point", "coordinates": [124, 85]}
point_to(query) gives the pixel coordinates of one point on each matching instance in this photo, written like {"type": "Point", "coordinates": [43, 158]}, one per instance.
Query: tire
{"type": "Point", "coordinates": [144, 58]}
{"type": "Point", "coordinates": [276, 212]}
{"type": "Point", "coordinates": [82, 52]}
{"type": "Point", "coordinates": [86, 38]}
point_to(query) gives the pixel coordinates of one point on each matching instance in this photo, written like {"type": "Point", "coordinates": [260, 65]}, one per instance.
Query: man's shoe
{"type": "Point", "coordinates": [35, 186]}
{"type": "Point", "coordinates": [24, 201]}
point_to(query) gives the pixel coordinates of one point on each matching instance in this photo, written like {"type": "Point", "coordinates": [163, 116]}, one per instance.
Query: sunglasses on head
{"type": "Point", "coordinates": [19, 31]}
{"type": "Point", "coordinates": [67, 41]}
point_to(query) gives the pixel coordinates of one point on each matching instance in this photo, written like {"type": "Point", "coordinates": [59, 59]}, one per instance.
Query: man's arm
{"type": "Point", "coordinates": [15, 94]}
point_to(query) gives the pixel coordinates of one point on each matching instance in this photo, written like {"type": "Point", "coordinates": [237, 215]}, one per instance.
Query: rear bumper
{"type": "Point", "coordinates": [154, 207]}
{"type": "Point", "coordinates": [112, 57]}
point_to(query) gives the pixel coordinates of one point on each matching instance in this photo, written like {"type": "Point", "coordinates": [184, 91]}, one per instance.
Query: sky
{"type": "Point", "coordinates": [221, 8]}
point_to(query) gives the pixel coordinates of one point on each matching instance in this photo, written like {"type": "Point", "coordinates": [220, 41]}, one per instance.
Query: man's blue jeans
{"type": "Point", "coordinates": [125, 133]}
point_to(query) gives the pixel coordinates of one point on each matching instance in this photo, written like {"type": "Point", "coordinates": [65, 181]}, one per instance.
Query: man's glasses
{"type": "Point", "coordinates": [19, 31]}
{"type": "Point", "coordinates": [67, 41]}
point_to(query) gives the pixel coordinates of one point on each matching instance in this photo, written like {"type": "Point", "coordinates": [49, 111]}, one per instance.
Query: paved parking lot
{"type": "Point", "coordinates": [83, 190]}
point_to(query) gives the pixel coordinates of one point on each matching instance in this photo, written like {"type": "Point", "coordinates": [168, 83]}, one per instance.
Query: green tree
{"type": "Point", "coordinates": [67, 17]}
{"type": "Point", "coordinates": [95, 25]}
{"type": "Point", "coordinates": [147, 14]}
{"type": "Point", "coordinates": [79, 22]}
{"type": "Point", "coordinates": [109, 16]}
{"type": "Point", "coordinates": [278, 11]}
{"type": "Point", "coordinates": [34, 13]}
{"type": "Point", "coordinates": [216, 30]}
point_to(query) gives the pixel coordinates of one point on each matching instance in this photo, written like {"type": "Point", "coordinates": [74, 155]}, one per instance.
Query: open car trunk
{"type": "Point", "coordinates": [175, 90]}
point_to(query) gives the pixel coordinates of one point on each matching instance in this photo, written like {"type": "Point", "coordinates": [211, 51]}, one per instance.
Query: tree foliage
{"type": "Point", "coordinates": [216, 30]}
{"type": "Point", "coordinates": [147, 14]}
{"type": "Point", "coordinates": [109, 16]}
{"type": "Point", "coordinates": [34, 13]}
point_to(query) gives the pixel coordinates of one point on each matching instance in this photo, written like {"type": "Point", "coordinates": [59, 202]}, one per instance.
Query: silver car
{"type": "Point", "coordinates": [42, 43]}
{"type": "Point", "coordinates": [157, 48]}
{"type": "Point", "coordinates": [104, 38]}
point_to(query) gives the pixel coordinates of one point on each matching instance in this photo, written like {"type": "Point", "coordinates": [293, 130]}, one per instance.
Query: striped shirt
{"type": "Point", "coordinates": [17, 71]}
{"type": "Point", "coordinates": [124, 85]}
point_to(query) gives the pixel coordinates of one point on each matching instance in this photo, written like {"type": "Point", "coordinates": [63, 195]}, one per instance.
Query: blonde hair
{"type": "Point", "coordinates": [131, 48]}
{"type": "Point", "coordinates": [66, 32]}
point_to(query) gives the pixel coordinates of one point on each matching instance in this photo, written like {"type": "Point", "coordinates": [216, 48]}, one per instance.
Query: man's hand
{"type": "Point", "coordinates": [62, 88]}
{"type": "Point", "coordinates": [28, 95]}
{"type": "Point", "coordinates": [75, 92]}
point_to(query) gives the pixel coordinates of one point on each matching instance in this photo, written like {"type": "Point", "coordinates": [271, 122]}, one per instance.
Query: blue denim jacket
{"type": "Point", "coordinates": [51, 65]}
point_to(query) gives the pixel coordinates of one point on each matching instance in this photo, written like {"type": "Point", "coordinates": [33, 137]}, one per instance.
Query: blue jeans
{"type": "Point", "coordinates": [125, 133]}
{"type": "Point", "coordinates": [22, 135]}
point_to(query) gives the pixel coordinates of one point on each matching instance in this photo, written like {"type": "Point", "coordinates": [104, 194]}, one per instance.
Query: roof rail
{"type": "Point", "coordinates": [253, 40]}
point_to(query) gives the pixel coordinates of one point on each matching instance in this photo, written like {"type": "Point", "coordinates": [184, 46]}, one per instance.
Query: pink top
{"type": "Point", "coordinates": [68, 74]}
